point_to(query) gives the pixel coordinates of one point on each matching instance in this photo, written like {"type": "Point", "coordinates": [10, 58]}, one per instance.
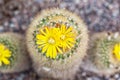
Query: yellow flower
{"type": "Point", "coordinates": [5, 54]}
{"type": "Point", "coordinates": [55, 40]}
{"type": "Point", "coordinates": [116, 51]}
{"type": "Point", "coordinates": [68, 37]}
{"type": "Point", "coordinates": [48, 40]}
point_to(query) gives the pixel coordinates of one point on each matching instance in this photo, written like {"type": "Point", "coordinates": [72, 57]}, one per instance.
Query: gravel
{"type": "Point", "coordinates": [99, 15]}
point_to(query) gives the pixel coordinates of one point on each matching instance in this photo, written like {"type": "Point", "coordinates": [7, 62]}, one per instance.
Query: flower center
{"type": "Point", "coordinates": [62, 37]}
{"type": "Point", "coordinates": [51, 41]}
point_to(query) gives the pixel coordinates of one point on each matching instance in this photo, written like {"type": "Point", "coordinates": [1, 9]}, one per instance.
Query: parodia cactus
{"type": "Point", "coordinates": [13, 55]}
{"type": "Point", "coordinates": [104, 53]}
{"type": "Point", "coordinates": [57, 42]}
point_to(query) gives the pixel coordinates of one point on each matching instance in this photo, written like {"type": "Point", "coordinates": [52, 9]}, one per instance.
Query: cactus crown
{"type": "Point", "coordinates": [107, 52]}
{"type": "Point", "coordinates": [7, 53]}
{"type": "Point", "coordinates": [56, 36]}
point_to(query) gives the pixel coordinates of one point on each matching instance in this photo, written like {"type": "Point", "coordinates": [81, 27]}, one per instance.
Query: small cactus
{"type": "Point", "coordinates": [104, 52]}
{"type": "Point", "coordinates": [13, 55]}
{"type": "Point", "coordinates": [57, 42]}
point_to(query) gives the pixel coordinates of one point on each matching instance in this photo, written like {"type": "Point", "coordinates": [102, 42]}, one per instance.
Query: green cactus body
{"type": "Point", "coordinates": [66, 41]}
{"type": "Point", "coordinates": [102, 54]}
{"type": "Point", "coordinates": [13, 55]}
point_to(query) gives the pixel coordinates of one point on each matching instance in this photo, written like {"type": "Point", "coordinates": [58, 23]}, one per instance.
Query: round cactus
{"type": "Point", "coordinates": [57, 42]}
{"type": "Point", "coordinates": [104, 53]}
{"type": "Point", "coordinates": [13, 55]}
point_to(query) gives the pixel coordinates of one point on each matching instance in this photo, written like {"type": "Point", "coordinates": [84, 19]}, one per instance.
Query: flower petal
{"type": "Point", "coordinates": [43, 32]}
{"type": "Point", "coordinates": [44, 48]}
{"type": "Point", "coordinates": [54, 52]}
{"type": "Point", "coordinates": [59, 50]}
{"type": "Point", "coordinates": [6, 61]}
{"type": "Point", "coordinates": [40, 42]}
{"type": "Point", "coordinates": [63, 28]}
{"type": "Point", "coordinates": [40, 37]}
{"type": "Point", "coordinates": [0, 63]}
{"type": "Point", "coordinates": [48, 52]}
{"type": "Point", "coordinates": [69, 30]}
{"type": "Point", "coordinates": [7, 53]}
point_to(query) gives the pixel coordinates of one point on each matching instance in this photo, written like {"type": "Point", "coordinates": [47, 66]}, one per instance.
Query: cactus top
{"type": "Point", "coordinates": [106, 51]}
{"type": "Point", "coordinates": [7, 52]}
{"type": "Point", "coordinates": [56, 36]}
{"type": "Point", "coordinates": [56, 40]}
{"type": "Point", "coordinates": [5, 55]}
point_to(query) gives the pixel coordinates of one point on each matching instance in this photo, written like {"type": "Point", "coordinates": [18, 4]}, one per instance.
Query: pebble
{"type": "Point", "coordinates": [118, 79]}
{"type": "Point", "coordinates": [11, 25]}
{"type": "Point", "coordinates": [107, 77]}
{"type": "Point", "coordinates": [95, 78]}
{"type": "Point", "coordinates": [77, 1]}
{"type": "Point", "coordinates": [115, 13]}
{"type": "Point", "coordinates": [63, 5]}
{"type": "Point", "coordinates": [84, 74]}
{"type": "Point", "coordinates": [39, 1]}
{"type": "Point", "coordinates": [116, 76]}
{"type": "Point", "coordinates": [1, 28]}
{"type": "Point", "coordinates": [1, 2]}
{"type": "Point", "coordinates": [89, 78]}
{"type": "Point", "coordinates": [1, 15]}
{"type": "Point", "coordinates": [6, 23]}
{"type": "Point", "coordinates": [21, 77]}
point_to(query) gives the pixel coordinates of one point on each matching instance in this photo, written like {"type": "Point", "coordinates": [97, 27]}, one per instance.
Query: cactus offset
{"type": "Point", "coordinates": [13, 54]}
{"type": "Point", "coordinates": [104, 53]}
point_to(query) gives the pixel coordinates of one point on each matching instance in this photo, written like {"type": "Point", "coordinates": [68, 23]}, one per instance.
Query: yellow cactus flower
{"type": "Point", "coordinates": [5, 54]}
{"type": "Point", "coordinates": [54, 40]}
{"type": "Point", "coordinates": [68, 37]}
{"type": "Point", "coordinates": [48, 40]}
{"type": "Point", "coordinates": [116, 51]}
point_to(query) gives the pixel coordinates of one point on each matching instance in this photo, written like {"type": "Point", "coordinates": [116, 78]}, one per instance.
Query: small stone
{"type": "Point", "coordinates": [39, 1]}
{"type": "Point", "coordinates": [63, 5]}
{"type": "Point", "coordinates": [1, 29]}
{"type": "Point", "coordinates": [72, 8]}
{"type": "Point", "coordinates": [6, 23]}
{"type": "Point", "coordinates": [118, 79]}
{"type": "Point", "coordinates": [12, 25]}
{"type": "Point", "coordinates": [46, 69]}
{"type": "Point", "coordinates": [89, 78]}
{"type": "Point", "coordinates": [84, 74]}
{"type": "Point", "coordinates": [100, 12]}
{"type": "Point", "coordinates": [85, 1]}
{"type": "Point", "coordinates": [115, 13]}
{"type": "Point", "coordinates": [111, 65]}
{"type": "Point", "coordinates": [109, 38]}
{"type": "Point", "coordinates": [116, 35]}
{"type": "Point", "coordinates": [70, 1]}
{"type": "Point", "coordinates": [77, 1]}
{"type": "Point", "coordinates": [21, 77]}
{"type": "Point", "coordinates": [1, 2]}
{"type": "Point", "coordinates": [1, 15]}
{"type": "Point", "coordinates": [16, 12]}
{"type": "Point", "coordinates": [95, 78]}
{"type": "Point", "coordinates": [107, 77]}
{"type": "Point", "coordinates": [116, 76]}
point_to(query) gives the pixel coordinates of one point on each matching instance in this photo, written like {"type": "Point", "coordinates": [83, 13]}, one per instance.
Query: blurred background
{"type": "Point", "coordinates": [99, 15]}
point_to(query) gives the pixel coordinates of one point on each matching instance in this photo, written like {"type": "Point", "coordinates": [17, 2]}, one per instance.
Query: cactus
{"type": "Point", "coordinates": [13, 54]}
{"type": "Point", "coordinates": [57, 42]}
{"type": "Point", "coordinates": [104, 53]}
